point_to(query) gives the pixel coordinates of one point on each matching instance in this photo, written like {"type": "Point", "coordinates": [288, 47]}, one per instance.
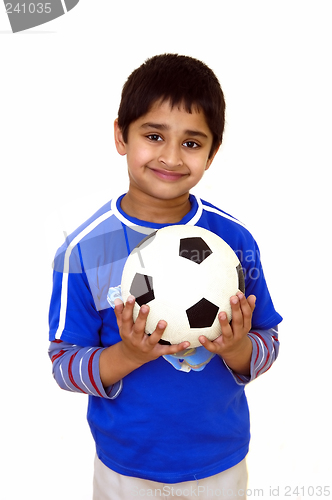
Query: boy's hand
{"type": "Point", "coordinates": [234, 345]}
{"type": "Point", "coordinates": [136, 344]}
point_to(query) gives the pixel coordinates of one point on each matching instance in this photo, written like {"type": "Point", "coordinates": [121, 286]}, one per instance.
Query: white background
{"type": "Point", "coordinates": [60, 87]}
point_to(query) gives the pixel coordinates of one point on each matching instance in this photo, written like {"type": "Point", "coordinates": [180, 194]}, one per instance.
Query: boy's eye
{"type": "Point", "coordinates": [154, 137]}
{"type": "Point", "coordinates": [187, 144]}
{"type": "Point", "coordinates": [191, 144]}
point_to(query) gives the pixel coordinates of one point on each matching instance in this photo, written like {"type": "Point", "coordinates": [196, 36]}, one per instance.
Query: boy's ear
{"type": "Point", "coordinates": [210, 160]}
{"type": "Point", "coordinates": [118, 137]}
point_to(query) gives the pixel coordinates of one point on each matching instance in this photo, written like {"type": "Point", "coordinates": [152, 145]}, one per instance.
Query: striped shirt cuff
{"type": "Point", "coordinates": [76, 369]}
{"type": "Point", "coordinates": [265, 349]}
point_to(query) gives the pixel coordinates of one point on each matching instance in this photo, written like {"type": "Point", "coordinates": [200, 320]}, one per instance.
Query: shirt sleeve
{"type": "Point", "coordinates": [73, 315]}
{"type": "Point", "coordinates": [265, 351]}
{"type": "Point", "coordinates": [76, 369]}
{"type": "Point", "coordinates": [264, 315]}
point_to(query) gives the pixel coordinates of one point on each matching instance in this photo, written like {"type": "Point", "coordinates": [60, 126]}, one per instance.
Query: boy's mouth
{"type": "Point", "coordinates": [167, 175]}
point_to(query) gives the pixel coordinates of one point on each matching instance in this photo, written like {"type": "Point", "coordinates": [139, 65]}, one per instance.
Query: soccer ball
{"type": "Point", "coordinates": [186, 274]}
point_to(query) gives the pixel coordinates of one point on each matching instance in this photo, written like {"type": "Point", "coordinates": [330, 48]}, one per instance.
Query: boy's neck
{"type": "Point", "coordinates": [156, 210]}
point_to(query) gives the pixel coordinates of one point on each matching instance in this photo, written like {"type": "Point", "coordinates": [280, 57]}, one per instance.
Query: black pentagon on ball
{"type": "Point", "coordinates": [241, 278]}
{"type": "Point", "coordinates": [194, 249]}
{"type": "Point", "coordinates": [142, 288]}
{"type": "Point", "coordinates": [202, 314]}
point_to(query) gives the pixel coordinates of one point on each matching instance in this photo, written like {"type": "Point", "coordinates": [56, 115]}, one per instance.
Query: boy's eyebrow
{"type": "Point", "coordinates": [163, 126]}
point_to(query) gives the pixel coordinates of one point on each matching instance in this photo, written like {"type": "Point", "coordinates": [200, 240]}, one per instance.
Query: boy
{"type": "Point", "coordinates": [167, 420]}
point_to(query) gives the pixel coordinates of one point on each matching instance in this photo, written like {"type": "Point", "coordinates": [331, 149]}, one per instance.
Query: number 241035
{"type": "Point", "coordinates": [31, 8]}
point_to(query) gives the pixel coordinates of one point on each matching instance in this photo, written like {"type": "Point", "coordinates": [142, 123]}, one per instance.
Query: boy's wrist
{"type": "Point", "coordinates": [239, 360]}
{"type": "Point", "coordinates": [114, 364]}
{"type": "Point", "coordinates": [129, 356]}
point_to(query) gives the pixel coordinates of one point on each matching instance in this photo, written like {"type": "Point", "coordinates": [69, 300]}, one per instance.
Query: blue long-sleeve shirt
{"type": "Point", "coordinates": [158, 423]}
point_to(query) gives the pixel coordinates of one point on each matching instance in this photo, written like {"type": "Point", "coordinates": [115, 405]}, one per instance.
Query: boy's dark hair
{"type": "Point", "coordinates": [180, 80]}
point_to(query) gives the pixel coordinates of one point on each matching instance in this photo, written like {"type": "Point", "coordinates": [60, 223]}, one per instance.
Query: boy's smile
{"type": "Point", "coordinates": [167, 154]}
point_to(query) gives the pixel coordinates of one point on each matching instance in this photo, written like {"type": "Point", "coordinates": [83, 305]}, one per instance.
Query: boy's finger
{"type": "Point", "coordinates": [157, 334]}
{"type": "Point", "coordinates": [128, 308]}
{"type": "Point", "coordinates": [252, 302]}
{"type": "Point", "coordinates": [208, 344]}
{"type": "Point", "coordinates": [226, 328]}
{"type": "Point", "coordinates": [247, 304]}
{"type": "Point", "coordinates": [237, 316]}
{"type": "Point", "coordinates": [118, 302]}
{"type": "Point", "coordinates": [175, 348]}
{"type": "Point", "coordinates": [118, 309]}
{"type": "Point", "coordinates": [126, 315]}
{"type": "Point", "coordinates": [247, 307]}
{"type": "Point", "coordinates": [139, 325]}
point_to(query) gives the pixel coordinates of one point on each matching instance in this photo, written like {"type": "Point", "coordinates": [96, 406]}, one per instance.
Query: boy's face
{"type": "Point", "coordinates": [167, 151]}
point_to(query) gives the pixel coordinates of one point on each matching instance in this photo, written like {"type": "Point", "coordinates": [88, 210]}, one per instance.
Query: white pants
{"type": "Point", "coordinates": [109, 485]}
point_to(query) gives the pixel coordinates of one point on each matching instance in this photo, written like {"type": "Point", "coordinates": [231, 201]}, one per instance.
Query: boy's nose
{"type": "Point", "coordinates": [171, 156]}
